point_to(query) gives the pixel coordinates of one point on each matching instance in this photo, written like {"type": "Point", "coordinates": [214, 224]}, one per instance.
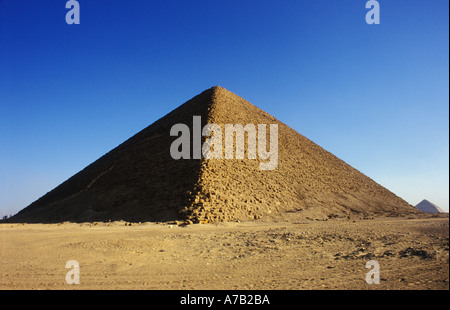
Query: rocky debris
{"type": "Point", "coordinates": [357, 254]}
{"type": "Point", "coordinates": [411, 251]}
{"type": "Point", "coordinates": [363, 253]}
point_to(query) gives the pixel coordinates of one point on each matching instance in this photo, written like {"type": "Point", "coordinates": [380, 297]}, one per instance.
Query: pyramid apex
{"type": "Point", "coordinates": [219, 91]}
{"type": "Point", "coordinates": [217, 88]}
{"type": "Point", "coordinates": [214, 90]}
{"type": "Point", "coordinates": [222, 91]}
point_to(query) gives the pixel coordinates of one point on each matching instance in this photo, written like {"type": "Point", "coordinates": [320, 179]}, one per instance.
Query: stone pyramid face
{"type": "Point", "coordinates": [141, 181]}
{"type": "Point", "coordinates": [426, 206]}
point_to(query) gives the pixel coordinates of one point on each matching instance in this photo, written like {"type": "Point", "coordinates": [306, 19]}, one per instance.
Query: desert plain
{"type": "Point", "coordinates": [281, 252]}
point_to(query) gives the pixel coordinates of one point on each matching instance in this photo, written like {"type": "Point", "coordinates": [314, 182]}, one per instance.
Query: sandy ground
{"type": "Point", "coordinates": [413, 253]}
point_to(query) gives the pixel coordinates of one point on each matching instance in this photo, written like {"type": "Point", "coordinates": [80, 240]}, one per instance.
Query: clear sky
{"type": "Point", "coordinates": [376, 96]}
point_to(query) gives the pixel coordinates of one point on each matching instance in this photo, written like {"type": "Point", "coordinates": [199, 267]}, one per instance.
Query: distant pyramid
{"type": "Point", "coordinates": [426, 206]}
{"type": "Point", "coordinates": [140, 181]}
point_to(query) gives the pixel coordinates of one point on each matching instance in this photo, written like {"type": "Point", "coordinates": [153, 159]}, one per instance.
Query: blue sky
{"type": "Point", "coordinates": [376, 96]}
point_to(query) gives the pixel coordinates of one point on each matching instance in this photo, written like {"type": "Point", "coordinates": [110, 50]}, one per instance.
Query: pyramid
{"type": "Point", "coordinates": [426, 206]}
{"type": "Point", "coordinates": [140, 180]}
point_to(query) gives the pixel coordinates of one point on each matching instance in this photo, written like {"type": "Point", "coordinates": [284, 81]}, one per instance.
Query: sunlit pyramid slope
{"type": "Point", "coordinates": [307, 178]}
{"type": "Point", "coordinates": [426, 206]}
{"type": "Point", "coordinates": [140, 181]}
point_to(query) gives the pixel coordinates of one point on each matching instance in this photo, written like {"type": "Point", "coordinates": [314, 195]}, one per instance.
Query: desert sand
{"type": "Point", "coordinates": [282, 252]}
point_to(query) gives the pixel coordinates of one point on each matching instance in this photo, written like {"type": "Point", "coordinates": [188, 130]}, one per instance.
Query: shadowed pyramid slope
{"type": "Point", "coordinates": [139, 180]}
{"type": "Point", "coordinates": [136, 181]}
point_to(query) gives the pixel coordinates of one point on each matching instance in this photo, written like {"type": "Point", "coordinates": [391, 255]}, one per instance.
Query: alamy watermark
{"type": "Point", "coordinates": [73, 16]}
{"type": "Point", "coordinates": [73, 275]}
{"type": "Point", "coordinates": [373, 276]}
{"type": "Point", "coordinates": [373, 16]}
{"type": "Point", "coordinates": [213, 146]}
